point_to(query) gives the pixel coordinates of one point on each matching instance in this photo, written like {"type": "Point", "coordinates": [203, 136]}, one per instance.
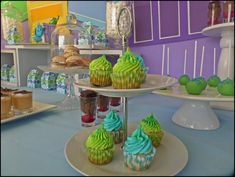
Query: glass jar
{"type": "Point", "coordinates": [65, 51]}
{"type": "Point", "coordinates": [228, 11]}
{"type": "Point", "coordinates": [112, 12]}
{"type": "Point", "coordinates": [115, 104]}
{"type": "Point", "coordinates": [102, 106]}
{"type": "Point", "coordinates": [214, 11]}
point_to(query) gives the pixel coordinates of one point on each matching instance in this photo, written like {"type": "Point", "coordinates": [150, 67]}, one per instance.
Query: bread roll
{"type": "Point", "coordinates": [69, 54]}
{"type": "Point", "coordinates": [58, 59]}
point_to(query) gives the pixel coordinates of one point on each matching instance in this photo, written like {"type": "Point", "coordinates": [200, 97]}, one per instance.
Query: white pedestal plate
{"type": "Point", "coordinates": [71, 101]}
{"type": "Point", "coordinates": [195, 112]}
{"type": "Point", "coordinates": [226, 32]}
{"type": "Point", "coordinates": [166, 162]}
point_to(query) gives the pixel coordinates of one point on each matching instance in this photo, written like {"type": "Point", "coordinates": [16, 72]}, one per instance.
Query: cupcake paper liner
{"type": "Point", "coordinates": [127, 80]}
{"type": "Point", "coordinates": [100, 78]}
{"type": "Point", "coordinates": [155, 137]}
{"type": "Point", "coordinates": [117, 136]}
{"type": "Point", "coordinates": [100, 157]}
{"type": "Point", "coordinates": [139, 162]}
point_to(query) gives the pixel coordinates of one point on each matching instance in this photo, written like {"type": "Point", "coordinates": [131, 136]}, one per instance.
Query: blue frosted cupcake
{"type": "Point", "coordinates": [138, 151]}
{"type": "Point", "coordinates": [113, 124]}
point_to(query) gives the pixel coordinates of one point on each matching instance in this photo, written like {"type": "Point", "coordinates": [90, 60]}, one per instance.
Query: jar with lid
{"type": "Point", "coordinates": [214, 12]}
{"type": "Point", "coordinates": [228, 11]}
{"type": "Point", "coordinates": [113, 9]}
{"type": "Point", "coordinates": [65, 51]}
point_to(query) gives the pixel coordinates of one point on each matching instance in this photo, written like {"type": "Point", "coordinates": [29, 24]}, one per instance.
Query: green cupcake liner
{"type": "Point", "coordinates": [117, 136]}
{"type": "Point", "coordinates": [155, 137]}
{"type": "Point", "coordinates": [100, 78]}
{"type": "Point", "coordinates": [100, 157]}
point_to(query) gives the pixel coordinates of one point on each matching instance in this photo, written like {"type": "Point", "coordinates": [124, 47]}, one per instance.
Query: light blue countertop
{"type": "Point", "coordinates": [35, 145]}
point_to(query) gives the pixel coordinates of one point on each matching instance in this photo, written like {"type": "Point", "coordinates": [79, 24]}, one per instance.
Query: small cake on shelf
{"type": "Point", "coordinates": [226, 87]}
{"type": "Point", "coordinates": [183, 80]}
{"type": "Point", "coordinates": [194, 87]}
{"type": "Point", "coordinates": [138, 151]}
{"type": "Point", "coordinates": [213, 81]}
{"type": "Point", "coordinates": [113, 124]}
{"type": "Point", "coordinates": [5, 106]}
{"type": "Point", "coordinates": [22, 101]}
{"type": "Point", "coordinates": [127, 72]}
{"type": "Point", "coordinates": [152, 128]}
{"type": "Point", "coordinates": [100, 70]}
{"type": "Point", "coordinates": [100, 147]}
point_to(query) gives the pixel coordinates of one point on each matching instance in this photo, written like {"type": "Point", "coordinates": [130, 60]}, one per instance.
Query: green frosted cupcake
{"type": "Point", "coordinates": [100, 70]}
{"type": "Point", "coordinates": [127, 73]}
{"type": "Point", "coordinates": [100, 147]}
{"type": "Point", "coordinates": [153, 129]}
{"type": "Point", "coordinates": [113, 124]}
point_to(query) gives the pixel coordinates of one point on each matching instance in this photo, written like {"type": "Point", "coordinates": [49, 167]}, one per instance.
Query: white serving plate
{"type": "Point", "coordinates": [170, 159]}
{"type": "Point", "coordinates": [37, 108]}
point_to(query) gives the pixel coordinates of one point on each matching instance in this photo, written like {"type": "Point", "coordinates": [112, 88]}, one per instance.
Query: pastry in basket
{"type": "Point", "coordinates": [22, 101]}
{"type": "Point", "coordinates": [100, 146]}
{"type": "Point", "coordinates": [100, 70]}
{"type": "Point", "coordinates": [127, 73]}
{"type": "Point", "coordinates": [5, 105]}
{"type": "Point", "coordinates": [59, 59]}
{"type": "Point", "coordinates": [138, 151]}
{"type": "Point", "coordinates": [152, 128]}
{"type": "Point", "coordinates": [113, 124]}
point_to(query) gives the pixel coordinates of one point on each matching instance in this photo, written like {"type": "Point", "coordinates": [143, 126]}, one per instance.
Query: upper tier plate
{"type": "Point", "coordinates": [151, 83]}
{"type": "Point", "coordinates": [216, 30]}
{"type": "Point", "coordinates": [170, 159]}
{"type": "Point", "coordinates": [209, 94]}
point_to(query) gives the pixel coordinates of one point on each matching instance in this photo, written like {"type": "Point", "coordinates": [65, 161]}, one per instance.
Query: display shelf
{"type": "Point", "coordinates": [195, 112]}
{"type": "Point", "coordinates": [165, 163]}
{"type": "Point", "coordinates": [7, 83]}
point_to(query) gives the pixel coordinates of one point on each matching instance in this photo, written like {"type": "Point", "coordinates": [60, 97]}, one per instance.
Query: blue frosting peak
{"type": "Point", "coordinates": [112, 121]}
{"type": "Point", "coordinates": [138, 143]}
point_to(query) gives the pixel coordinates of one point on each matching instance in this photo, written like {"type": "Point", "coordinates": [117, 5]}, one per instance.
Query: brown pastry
{"type": "Point", "coordinates": [59, 59]}
{"type": "Point", "coordinates": [22, 100]}
{"type": "Point", "coordinates": [69, 54]}
{"type": "Point", "coordinates": [57, 65]}
{"type": "Point", "coordinates": [71, 48]}
{"type": "Point", "coordinates": [5, 105]}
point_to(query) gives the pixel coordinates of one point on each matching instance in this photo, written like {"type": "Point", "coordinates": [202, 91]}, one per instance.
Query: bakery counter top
{"type": "Point", "coordinates": [35, 146]}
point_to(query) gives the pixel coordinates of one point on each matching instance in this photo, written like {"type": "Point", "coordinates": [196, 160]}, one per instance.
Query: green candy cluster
{"type": "Point", "coordinates": [226, 87]}
{"type": "Point", "coordinates": [183, 80]}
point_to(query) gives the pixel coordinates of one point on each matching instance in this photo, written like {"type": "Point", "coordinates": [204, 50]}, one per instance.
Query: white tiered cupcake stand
{"type": "Point", "coordinates": [71, 101]}
{"type": "Point", "coordinates": [166, 161]}
{"type": "Point", "coordinates": [226, 32]}
{"type": "Point", "coordinates": [195, 112]}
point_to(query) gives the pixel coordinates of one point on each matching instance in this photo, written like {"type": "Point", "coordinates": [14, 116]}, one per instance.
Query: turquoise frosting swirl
{"type": "Point", "coordinates": [112, 121]}
{"type": "Point", "coordinates": [101, 63]}
{"type": "Point", "coordinates": [138, 143]}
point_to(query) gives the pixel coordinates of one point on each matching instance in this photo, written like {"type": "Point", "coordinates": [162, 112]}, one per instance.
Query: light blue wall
{"type": "Point", "coordinates": [94, 9]}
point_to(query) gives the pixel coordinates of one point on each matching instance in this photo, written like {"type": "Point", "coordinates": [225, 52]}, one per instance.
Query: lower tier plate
{"type": "Point", "coordinates": [170, 159]}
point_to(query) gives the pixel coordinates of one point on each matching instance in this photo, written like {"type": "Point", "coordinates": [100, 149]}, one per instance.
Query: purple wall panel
{"type": "Point", "coordinates": [168, 18]}
{"type": "Point", "coordinates": [142, 20]}
{"type": "Point", "coordinates": [153, 56]}
{"type": "Point", "coordinates": [198, 15]}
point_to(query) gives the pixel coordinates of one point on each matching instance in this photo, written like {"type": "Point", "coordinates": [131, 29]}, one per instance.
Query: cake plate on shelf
{"type": "Point", "coordinates": [70, 102]}
{"type": "Point", "coordinates": [165, 163]}
{"type": "Point", "coordinates": [195, 112]}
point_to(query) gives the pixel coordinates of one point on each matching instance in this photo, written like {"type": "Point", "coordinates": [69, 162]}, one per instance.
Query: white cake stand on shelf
{"type": "Point", "coordinates": [165, 163]}
{"type": "Point", "coordinates": [195, 112]}
{"type": "Point", "coordinates": [70, 102]}
{"type": "Point", "coordinates": [226, 32]}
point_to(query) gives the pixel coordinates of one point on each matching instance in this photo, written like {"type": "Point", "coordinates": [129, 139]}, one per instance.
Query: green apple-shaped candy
{"type": "Point", "coordinates": [194, 87]}
{"type": "Point", "coordinates": [213, 81]}
{"type": "Point", "coordinates": [226, 87]}
{"type": "Point", "coordinates": [184, 79]}
{"type": "Point", "coordinates": [203, 81]}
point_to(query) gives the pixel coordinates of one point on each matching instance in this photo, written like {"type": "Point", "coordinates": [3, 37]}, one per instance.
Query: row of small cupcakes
{"type": "Point", "coordinates": [129, 71]}
{"type": "Point", "coordinates": [139, 149]}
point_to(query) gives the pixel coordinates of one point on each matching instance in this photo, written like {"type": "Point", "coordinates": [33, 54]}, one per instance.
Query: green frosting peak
{"type": "Point", "coordinates": [101, 63]}
{"type": "Point", "coordinates": [150, 124]}
{"type": "Point", "coordinates": [100, 139]}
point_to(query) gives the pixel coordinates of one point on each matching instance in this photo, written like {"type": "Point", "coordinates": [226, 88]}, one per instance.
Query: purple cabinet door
{"type": "Point", "coordinates": [168, 19]}
{"type": "Point", "coordinates": [142, 21]}
{"type": "Point", "coordinates": [197, 16]}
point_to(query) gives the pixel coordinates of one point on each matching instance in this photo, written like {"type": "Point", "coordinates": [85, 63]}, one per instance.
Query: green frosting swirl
{"type": "Point", "coordinates": [127, 63]}
{"type": "Point", "coordinates": [150, 124]}
{"type": "Point", "coordinates": [101, 63]}
{"type": "Point", "coordinates": [100, 139]}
